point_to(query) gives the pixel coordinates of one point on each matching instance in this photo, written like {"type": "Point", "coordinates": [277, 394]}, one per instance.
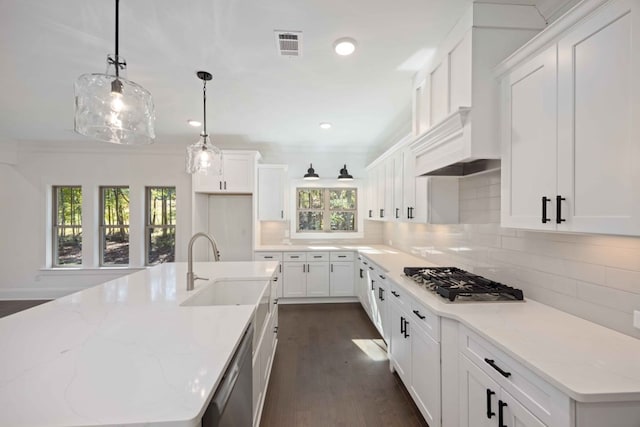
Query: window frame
{"type": "Point", "coordinates": [102, 226]}
{"type": "Point", "coordinates": [147, 221]}
{"type": "Point", "coordinates": [55, 227]}
{"type": "Point", "coordinates": [326, 210]}
{"type": "Point", "coordinates": [329, 184]}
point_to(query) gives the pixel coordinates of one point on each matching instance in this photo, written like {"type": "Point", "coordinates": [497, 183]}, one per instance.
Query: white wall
{"type": "Point", "coordinates": [25, 190]}
{"type": "Point", "coordinates": [596, 277]}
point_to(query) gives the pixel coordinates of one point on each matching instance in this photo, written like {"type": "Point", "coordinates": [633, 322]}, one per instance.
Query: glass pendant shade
{"type": "Point", "coordinates": [113, 109]}
{"type": "Point", "coordinates": [203, 157]}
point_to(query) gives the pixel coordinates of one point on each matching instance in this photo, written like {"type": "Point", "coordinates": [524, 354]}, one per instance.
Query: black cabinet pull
{"type": "Point", "coordinates": [225, 185]}
{"type": "Point", "coordinates": [280, 268]}
{"type": "Point", "coordinates": [275, 279]}
{"type": "Point", "coordinates": [408, 212]}
{"type": "Point", "coordinates": [559, 200]}
{"type": "Point", "coordinates": [406, 330]}
{"type": "Point", "coordinates": [304, 268]}
{"type": "Point", "coordinates": [501, 406]}
{"type": "Point", "coordinates": [361, 276]}
{"type": "Point", "coordinates": [411, 215]}
{"type": "Point", "coordinates": [275, 301]}
{"type": "Point", "coordinates": [492, 363]}
{"type": "Point", "coordinates": [545, 200]}
{"type": "Point", "coordinates": [281, 214]}
{"type": "Point", "coordinates": [381, 213]}
{"type": "Point", "coordinates": [402, 325]}
{"type": "Point", "coordinates": [221, 185]}
{"type": "Point", "coordinates": [342, 256]}
{"type": "Point", "coordinates": [381, 294]}
{"type": "Point", "coordinates": [317, 256]}
{"type": "Point", "coordinates": [395, 294]}
{"type": "Point", "coordinates": [397, 213]}
{"type": "Point", "coordinates": [372, 285]}
{"type": "Point", "coordinates": [417, 313]}
{"type": "Point", "coordinates": [268, 257]}
{"type": "Point", "coordinates": [370, 268]}
{"type": "Point", "coordinates": [295, 256]}
{"type": "Point", "coordinates": [490, 412]}
{"type": "Point", "coordinates": [382, 277]}
{"type": "Point", "coordinates": [370, 213]}
{"type": "Point", "coordinates": [365, 262]}
{"type": "Point", "coordinates": [332, 268]}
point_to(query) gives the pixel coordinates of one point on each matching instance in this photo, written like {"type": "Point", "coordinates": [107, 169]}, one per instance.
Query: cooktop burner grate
{"type": "Point", "coordinates": [452, 282]}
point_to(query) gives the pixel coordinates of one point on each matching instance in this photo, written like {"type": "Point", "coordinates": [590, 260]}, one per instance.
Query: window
{"type": "Point", "coordinates": [114, 226]}
{"type": "Point", "coordinates": [160, 230]}
{"type": "Point", "coordinates": [67, 226]}
{"type": "Point", "coordinates": [326, 210]}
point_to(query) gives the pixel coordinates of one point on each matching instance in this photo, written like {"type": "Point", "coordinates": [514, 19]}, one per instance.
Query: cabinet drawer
{"type": "Point", "coordinates": [399, 296]}
{"type": "Point", "coordinates": [317, 256]}
{"type": "Point", "coordinates": [268, 256]}
{"type": "Point", "coordinates": [425, 319]}
{"type": "Point", "coordinates": [295, 256]}
{"type": "Point", "coordinates": [541, 398]}
{"type": "Point", "coordinates": [342, 256]}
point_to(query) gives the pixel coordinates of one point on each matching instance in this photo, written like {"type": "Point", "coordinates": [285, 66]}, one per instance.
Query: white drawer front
{"type": "Point", "coordinates": [426, 320]}
{"type": "Point", "coordinates": [317, 256]}
{"type": "Point", "coordinates": [268, 256]}
{"type": "Point", "coordinates": [295, 256]}
{"type": "Point", "coordinates": [542, 399]}
{"type": "Point", "coordinates": [342, 256]}
{"type": "Point", "coordinates": [400, 297]}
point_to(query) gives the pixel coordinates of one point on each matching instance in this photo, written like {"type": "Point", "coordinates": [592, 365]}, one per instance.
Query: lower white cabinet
{"type": "Point", "coordinates": [341, 279]}
{"type": "Point", "coordinates": [425, 375]}
{"type": "Point", "coordinates": [400, 345]}
{"type": "Point", "coordinates": [295, 279]}
{"type": "Point", "coordinates": [317, 276]}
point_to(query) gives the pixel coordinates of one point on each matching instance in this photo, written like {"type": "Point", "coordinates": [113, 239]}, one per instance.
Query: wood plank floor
{"type": "Point", "coordinates": [14, 306]}
{"type": "Point", "coordinates": [321, 377]}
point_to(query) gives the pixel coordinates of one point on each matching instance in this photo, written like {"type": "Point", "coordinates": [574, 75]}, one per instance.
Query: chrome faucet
{"type": "Point", "coordinates": [191, 277]}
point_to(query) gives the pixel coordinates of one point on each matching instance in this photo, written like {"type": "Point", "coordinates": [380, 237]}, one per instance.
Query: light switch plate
{"type": "Point", "coordinates": [636, 319]}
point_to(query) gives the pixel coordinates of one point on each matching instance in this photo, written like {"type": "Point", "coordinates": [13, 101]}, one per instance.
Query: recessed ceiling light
{"type": "Point", "coordinates": [194, 123]}
{"type": "Point", "coordinates": [344, 46]}
{"type": "Point", "coordinates": [325, 125]}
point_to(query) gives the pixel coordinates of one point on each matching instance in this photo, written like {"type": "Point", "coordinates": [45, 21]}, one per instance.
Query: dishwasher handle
{"type": "Point", "coordinates": [222, 394]}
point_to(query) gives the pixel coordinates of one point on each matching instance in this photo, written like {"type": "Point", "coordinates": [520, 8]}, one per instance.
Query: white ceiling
{"type": "Point", "coordinates": [256, 96]}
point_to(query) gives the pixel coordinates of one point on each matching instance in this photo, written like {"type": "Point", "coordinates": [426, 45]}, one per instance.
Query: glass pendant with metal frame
{"type": "Point", "coordinates": [111, 108]}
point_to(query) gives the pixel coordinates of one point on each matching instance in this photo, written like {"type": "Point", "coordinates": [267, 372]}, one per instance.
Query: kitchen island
{"type": "Point", "coordinates": [124, 352]}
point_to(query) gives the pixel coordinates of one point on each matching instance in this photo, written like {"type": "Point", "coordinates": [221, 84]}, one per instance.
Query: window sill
{"type": "Point", "coordinates": [328, 236]}
{"type": "Point", "coordinates": [93, 271]}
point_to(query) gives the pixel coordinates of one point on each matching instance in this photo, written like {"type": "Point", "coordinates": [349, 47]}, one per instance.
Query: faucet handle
{"type": "Point", "coordinates": [199, 278]}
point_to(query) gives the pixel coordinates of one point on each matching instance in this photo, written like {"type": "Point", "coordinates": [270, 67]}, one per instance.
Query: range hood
{"type": "Point", "coordinates": [453, 147]}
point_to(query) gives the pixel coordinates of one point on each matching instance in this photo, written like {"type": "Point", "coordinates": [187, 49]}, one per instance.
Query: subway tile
{"type": "Point", "coordinates": [608, 297]}
{"type": "Point", "coordinates": [625, 280]}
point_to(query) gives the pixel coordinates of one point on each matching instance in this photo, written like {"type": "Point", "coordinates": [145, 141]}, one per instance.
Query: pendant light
{"type": "Point", "coordinates": [311, 174]}
{"type": "Point", "coordinates": [202, 156]}
{"type": "Point", "coordinates": [344, 175]}
{"type": "Point", "coordinates": [111, 108]}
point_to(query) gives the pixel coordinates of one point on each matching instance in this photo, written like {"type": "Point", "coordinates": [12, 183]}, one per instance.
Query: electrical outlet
{"type": "Point", "coordinates": [636, 319]}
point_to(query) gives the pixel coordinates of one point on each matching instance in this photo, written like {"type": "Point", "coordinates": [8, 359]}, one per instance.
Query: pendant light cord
{"type": "Point", "coordinates": [204, 103]}
{"type": "Point", "coordinates": [117, 32]}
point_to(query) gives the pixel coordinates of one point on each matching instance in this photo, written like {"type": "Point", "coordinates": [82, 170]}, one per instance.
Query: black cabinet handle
{"type": "Point", "coordinates": [559, 200]}
{"type": "Point", "coordinates": [275, 301]}
{"type": "Point", "coordinates": [417, 313]}
{"type": "Point", "coordinates": [370, 213]}
{"type": "Point", "coordinates": [317, 256]}
{"type": "Point", "coordinates": [275, 279]}
{"type": "Point", "coordinates": [267, 257]}
{"type": "Point", "coordinates": [342, 256]}
{"type": "Point", "coordinates": [225, 185]}
{"type": "Point", "coordinates": [304, 268]}
{"type": "Point", "coordinates": [402, 325]}
{"type": "Point", "coordinates": [281, 214]}
{"type": "Point", "coordinates": [361, 276]}
{"type": "Point", "coordinates": [406, 330]}
{"type": "Point", "coordinates": [382, 277]}
{"type": "Point", "coordinates": [501, 406]}
{"type": "Point", "coordinates": [221, 185]}
{"type": "Point", "coordinates": [381, 213]}
{"type": "Point", "coordinates": [545, 200]}
{"type": "Point", "coordinates": [332, 268]}
{"type": "Point", "coordinates": [381, 294]}
{"type": "Point", "coordinates": [411, 217]}
{"type": "Point", "coordinates": [370, 268]}
{"type": "Point", "coordinates": [408, 212]}
{"type": "Point", "coordinates": [395, 294]}
{"type": "Point", "coordinates": [280, 267]}
{"type": "Point", "coordinates": [490, 412]}
{"type": "Point", "coordinates": [275, 329]}
{"type": "Point", "coordinates": [365, 262]}
{"type": "Point", "coordinates": [372, 285]}
{"type": "Point", "coordinates": [397, 213]}
{"type": "Point", "coordinates": [295, 256]}
{"type": "Point", "coordinates": [492, 363]}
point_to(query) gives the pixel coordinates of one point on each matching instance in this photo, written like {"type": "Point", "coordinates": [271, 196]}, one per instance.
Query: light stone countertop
{"type": "Point", "coordinates": [588, 362]}
{"type": "Point", "coordinates": [124, 352]}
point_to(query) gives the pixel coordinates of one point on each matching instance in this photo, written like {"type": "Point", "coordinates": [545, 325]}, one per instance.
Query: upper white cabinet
{"type": "Point", "coordinates": [584, 157]}
{"type": "Point", "coordinates": [238, 174]}
{"type": "Point", "coordinates": [461, 93]}
{"type": "Point", "coordinates": [271, 192]}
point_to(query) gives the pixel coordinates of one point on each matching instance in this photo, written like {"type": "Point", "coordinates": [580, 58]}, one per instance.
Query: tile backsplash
{"type": "Point", "coordinates": [596, 277]}
{"type": "Point", "coordinates": [275, 232]}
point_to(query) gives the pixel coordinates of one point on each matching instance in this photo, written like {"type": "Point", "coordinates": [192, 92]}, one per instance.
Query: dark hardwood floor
{"type": "Point", "coordinates": [322, 376]}
{"type": "Point", "coordinates": [10, 307]}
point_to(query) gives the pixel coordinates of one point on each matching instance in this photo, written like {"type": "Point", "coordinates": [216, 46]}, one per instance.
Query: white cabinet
{"type": "Point", "coordinates": [295, 279]}
{"type": "Point", "coordinates": [317, 276]}
{"type": "Point", "coordinates": [425, 374]}
{"type": "Point", "coordinates": [389, 186]}
{"type": "Point", "coordinates": [341, 279]}
{"type": "Point", "coordinates": [238, 174]}
{"type": "Point", "coordinates": [271, 192]}
{"type": "Point", "coordinates": [584, 156]}
{"type": "Point", "coordinates": [400, 342]}
{"type": "Point", "coordinates": [372, 194]}
{"type": "Point", "coordinates": [381, 191]}
{"type": "Point", "coordinates": [272, 256]}
{"type": "Point", "coordinates": [408, 184]}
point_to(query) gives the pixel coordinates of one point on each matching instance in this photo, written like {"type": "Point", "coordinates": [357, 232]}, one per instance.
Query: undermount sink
{"type": "Point", "coordinates": [230, 292]}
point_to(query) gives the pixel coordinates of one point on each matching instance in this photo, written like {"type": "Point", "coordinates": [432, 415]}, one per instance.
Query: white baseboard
{"type": "Point", "coordinates": [316, 300]}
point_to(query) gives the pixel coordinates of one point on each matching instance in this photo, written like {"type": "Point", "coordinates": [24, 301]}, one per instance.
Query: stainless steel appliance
{"type": "Point", "coordinates": [232, 403]}
{"type": "Point", "coordinates": [459, 285]}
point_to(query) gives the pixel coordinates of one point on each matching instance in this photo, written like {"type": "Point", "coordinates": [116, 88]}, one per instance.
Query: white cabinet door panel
{"type": "Point", "coordinates": [529, 143]}
{"type": "Point", "coordinates": [516, 415]}
{"type": "Point", "coordinates": [425, 375]}
{"type": "Point", "coordinates": [238, 173]}
{"type": "Point", "coordinates": [341, 279]}
{"type": "Point", "coordinates": [271, 188]}
{"type": "Point", "coordinates": [599, 122]}
{"type": "Point", "coordinates": [439, 84]}
{"type": "Point", "coordinates": [318, 279]}
{"type": "Point", "coordinates": [479, 396]}
{"type": "Point", "coordinates": [400, 342]}
{"type": "Point", "coordinates": [294, 279]}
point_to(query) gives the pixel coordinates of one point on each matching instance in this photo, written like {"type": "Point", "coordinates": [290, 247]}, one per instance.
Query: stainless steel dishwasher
{"type": "Point", "coordinates": [232, 403]}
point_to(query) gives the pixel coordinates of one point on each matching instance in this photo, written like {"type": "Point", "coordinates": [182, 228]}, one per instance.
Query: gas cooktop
{"type": "Point", "coordinates": [455, 284]}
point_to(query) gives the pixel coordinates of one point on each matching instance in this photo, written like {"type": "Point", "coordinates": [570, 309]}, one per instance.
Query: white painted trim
{"type": "Point", "coordinates": [324, 300]}
{"type": "Point", "coordinates": [403, 142]}
{"type": "Point", "coordinates": [449, 127]}
{"type": "Point", "coordinates": [548, 36]}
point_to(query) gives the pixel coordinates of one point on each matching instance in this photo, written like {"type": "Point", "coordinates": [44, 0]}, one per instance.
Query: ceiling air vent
{"type": "Point", "coordinates": [289, 43]}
